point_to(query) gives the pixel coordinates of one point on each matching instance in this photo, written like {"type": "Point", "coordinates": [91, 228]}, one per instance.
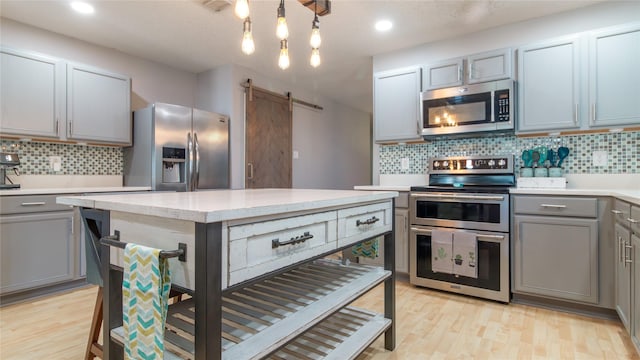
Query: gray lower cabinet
{"type": "Point", "coordinates": [627, 275]}
{"type": "Point", "coordinates": [557, 257]}
{"type": "Point", "coordinates": [623, 275]}
{"type": "Point", "coordinates": [37, 249]}
{"type": "Point", "coordinates": [555, 247]}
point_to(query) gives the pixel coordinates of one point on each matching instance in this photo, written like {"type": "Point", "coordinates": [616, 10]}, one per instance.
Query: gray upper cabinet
{"type": "Point", "coordinates": [614, 79]}
{"type": "Point", "coordinates": [32, 95]}
{"type": "Point", "coordinates": [489, 66]}
{"type": "Point", "coordinates": [396, 108]}
{"type": "Point", "coordinates": [443, 74]}
{"type": "Point", "coordinates": [98, 105]}
{"type": "Point", "coordinates": [549, 85]}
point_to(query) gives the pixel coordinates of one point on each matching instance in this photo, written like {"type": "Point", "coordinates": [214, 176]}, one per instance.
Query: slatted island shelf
{"type": "Point", "coordinates": [260, 267]}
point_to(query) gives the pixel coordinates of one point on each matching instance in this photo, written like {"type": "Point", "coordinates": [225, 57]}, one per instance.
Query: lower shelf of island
{"type": "Point", "coordinates": [298, 314]}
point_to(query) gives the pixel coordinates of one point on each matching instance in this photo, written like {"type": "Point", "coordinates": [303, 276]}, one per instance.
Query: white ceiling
{"type": "Point", "coordinates": [189, 36]}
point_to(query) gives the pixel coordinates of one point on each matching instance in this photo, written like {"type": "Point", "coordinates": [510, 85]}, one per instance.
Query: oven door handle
{"type": "Point", "coordinates": [461, 197]}
{"type": "Point", "coordinates": [478, 236]}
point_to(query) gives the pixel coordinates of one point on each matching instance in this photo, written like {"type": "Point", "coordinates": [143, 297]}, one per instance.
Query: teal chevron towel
{"type": "Point", "coordinates": [367, 248]}
{"type": "Point", "coordinates": [145, 292]}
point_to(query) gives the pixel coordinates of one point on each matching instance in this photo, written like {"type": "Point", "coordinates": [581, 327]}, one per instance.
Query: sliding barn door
{"type": "Point", "coordinates": [268, 141]}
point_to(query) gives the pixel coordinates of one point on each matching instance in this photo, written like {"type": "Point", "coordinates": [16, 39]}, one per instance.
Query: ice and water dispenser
{"type": "Point", "coordinates": [173, 165]}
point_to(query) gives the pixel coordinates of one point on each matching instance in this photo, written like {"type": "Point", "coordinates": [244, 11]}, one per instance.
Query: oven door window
{"type": "Point", "coordinates": [488, 262]}
{"type": "Point", "coordinates": [457, 110]}
{"type": "Point", "coordinates": [460, 211]}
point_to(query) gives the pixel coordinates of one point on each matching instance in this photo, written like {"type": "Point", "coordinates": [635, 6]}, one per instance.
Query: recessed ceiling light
{"type": "Point", "coordinates": [384, 25]}
{"type": "Point", "coordinates": [82, 7]}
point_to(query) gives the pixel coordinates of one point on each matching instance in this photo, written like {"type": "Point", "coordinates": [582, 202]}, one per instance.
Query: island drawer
{"type": "Point", "coordinates": [259, 248]}
{"type": "Point", "coordinates": [362, 222]}
{"type": "Point", "coordinates": [30, 203]}
{"type": "Point", "coordinates": [556, 205]}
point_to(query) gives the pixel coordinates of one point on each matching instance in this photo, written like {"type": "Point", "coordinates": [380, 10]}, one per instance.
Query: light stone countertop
{"type": "Point", "coordinates": [73, 190]}
{"type": "Point", "coordinates": [220, 205]}
{"type": "Point", "coordinates": [383, 187]}
{"type": "Point", "coordinates": [632, 196]}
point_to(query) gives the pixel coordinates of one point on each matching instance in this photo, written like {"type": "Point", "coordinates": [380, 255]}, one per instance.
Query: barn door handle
{"type": "Point", "coordinates": [250, 176]}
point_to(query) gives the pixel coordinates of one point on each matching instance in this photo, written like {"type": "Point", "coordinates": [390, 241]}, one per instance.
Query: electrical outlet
{"type": "Point", "coordinates": [404, 164]}
{"type": "Point", "coordinates": [296, 154]}
{"type": "Point", "coordinates": [600, 158]}
{"type": "Point", "coordinates": [55, 163]}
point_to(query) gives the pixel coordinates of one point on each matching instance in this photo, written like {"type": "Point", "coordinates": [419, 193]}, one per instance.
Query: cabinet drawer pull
{"type": "Point", "coordinates": [633, 221]}
{"type": "Point", "coordinates": [35, 203]}
{"type": "Point", "coordinates": [373, 220]}
{"type": "Point", "coordinates": [275, 243]}
{"type": "Point", "coordinates": [617, 212]}
{"type": "Point", "coordinates": [553, 206]}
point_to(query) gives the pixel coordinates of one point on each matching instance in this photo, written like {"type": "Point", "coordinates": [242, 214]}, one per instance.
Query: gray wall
{"type": "Point", "coordinates": [150, 81]}
{"type": "Point", "coordinates": [334, 144]}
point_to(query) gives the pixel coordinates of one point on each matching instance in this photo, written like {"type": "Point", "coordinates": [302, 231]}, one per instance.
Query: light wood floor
{"type": "Point", "coordinates": [431, 325]}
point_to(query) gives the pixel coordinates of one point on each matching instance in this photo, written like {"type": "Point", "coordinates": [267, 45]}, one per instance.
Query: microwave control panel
{"type": "Point", "coordinates": [501, 105]}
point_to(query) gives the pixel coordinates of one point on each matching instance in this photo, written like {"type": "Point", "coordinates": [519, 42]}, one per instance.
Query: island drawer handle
{"type": "Point", "coordinates": [553, 206]}
{"type": "Point", "coordinates": [633, 221]}
{"type": "Point", "coordinates": [275, 243]}
{"type": "Point", "coordinates": [114, 240]}
{"type": "Point", "coordinates": [35, 203]}
{"type": "Point", "coordinates": [617, 212]}
{"type": "Point", "coordinates": [373, 220]}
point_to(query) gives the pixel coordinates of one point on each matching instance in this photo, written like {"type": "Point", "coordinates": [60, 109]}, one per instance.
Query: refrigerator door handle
{"type": "Point", "coordinates": [196, 147]}
{"type": "Point", "coordinates": [190, 165]}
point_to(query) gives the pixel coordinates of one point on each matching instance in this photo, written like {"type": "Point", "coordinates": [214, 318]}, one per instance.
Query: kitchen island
{"type": "Point", "coordinates": [260, 253]}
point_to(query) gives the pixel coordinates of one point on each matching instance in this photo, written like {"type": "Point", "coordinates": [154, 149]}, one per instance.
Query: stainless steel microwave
{"type": "Point", "coordinates": [470, 110]}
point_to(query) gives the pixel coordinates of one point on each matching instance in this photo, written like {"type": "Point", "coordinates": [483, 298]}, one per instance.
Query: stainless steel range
{"type": "Point", "coordinates": [459, 236]}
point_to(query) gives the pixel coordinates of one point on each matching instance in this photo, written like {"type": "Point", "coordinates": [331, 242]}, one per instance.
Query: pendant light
{"type": "Point", "coordinates": [248, 46]}
{"type": "Point", "coordinates": [315, 40]}
{"type": "Point", "coordinates": [315, 58]}
{"type": "Point", "coordinates": [242, 9]}
{"type": "Point", "coordinates": [282, 31]}
{"type": "Point", "coordinates": [283, 60]}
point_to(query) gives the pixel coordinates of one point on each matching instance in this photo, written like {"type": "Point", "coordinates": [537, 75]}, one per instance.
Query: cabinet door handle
{"type": "Point", "coordinates": [35, 203]}
{"type": "Point", "coordinates": [275, 243]}
{"type": "Point", "coordinates": [553, 206]}
{"type": "Point", "coordinates": [575, 115]}
{"type": "Point", "coordinates": [617, 212]}
{"type": "Point", "coordinates": [70, 127]}
{"type": "Point", "coordinates": [633, 221]}
{"type": "Point", "coordinates": [57, 126]}
{"type": "Point", "coordinates": [593, 114]}
{"type": "Point", "coordinates": [370, 221]}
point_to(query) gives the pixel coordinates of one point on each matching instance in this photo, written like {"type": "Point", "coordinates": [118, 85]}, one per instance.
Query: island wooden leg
{"type": "Point", "coordinates": [208, 291]}
{"type": "Point", "coordinates": [390, 284]}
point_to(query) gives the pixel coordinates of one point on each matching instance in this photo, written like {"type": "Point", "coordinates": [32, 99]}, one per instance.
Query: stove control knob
{"type": "Point", "coordinates": [445, 164]}
{"type": "Point", "coordinates": [502, 162]}
{"type": "Point", "coordinates": [436, 164]}
{"type": "Point", "coordinates": [492, 163]}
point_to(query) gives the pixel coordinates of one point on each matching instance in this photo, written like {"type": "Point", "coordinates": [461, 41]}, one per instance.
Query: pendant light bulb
{"type": "Point", "coordinates": [315, 58]}
{"type": "Point", "coordinates": [242, 9]}
{"type": "Point", "coordinates": [315, 39]}
{"type": "Point", "coordinates": [248, 46]}
{"type": "Point", "coordinates": [283, 60]}
{"type": "Point", "coordinates": [282, 30]}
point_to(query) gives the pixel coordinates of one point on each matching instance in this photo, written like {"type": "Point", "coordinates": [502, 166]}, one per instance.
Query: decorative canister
{"type": "Point", "coordinates": [555, 172]}
{"type": "Point", "coordinates": [526, 172]}
{"type": "Point", "coordinates": [540, 172]}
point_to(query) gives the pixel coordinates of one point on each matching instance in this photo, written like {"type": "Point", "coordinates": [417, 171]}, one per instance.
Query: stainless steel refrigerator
{"type": "Point", "coordinates": [177, 148]}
